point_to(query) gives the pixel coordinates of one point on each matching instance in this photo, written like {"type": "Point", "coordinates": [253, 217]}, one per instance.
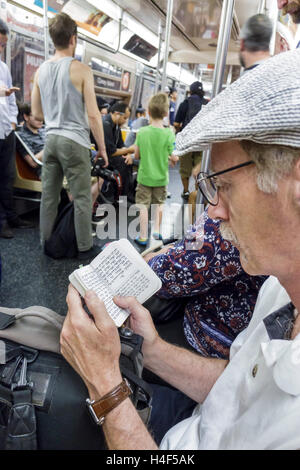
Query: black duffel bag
{"type": "Point", "coordinates": [42, 399]}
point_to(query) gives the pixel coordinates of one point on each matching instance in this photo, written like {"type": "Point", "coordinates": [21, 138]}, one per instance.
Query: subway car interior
{"type": "Point", "coordinates": [135, 49]}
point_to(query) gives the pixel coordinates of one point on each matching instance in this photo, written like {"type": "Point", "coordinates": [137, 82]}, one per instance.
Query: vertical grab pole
{"type": "Point", "coordinates": [158, 56]}
{"type": "Point", "coordinates": [262, 6]}
{"type": "Point", "coordinates": [167, 43]}
{"type": "Point", "coordinates": [46, 29]}
{"type": "Point", "coordinates": [273, 14]}
{"type": "Point", "coordinates": [221, 54]}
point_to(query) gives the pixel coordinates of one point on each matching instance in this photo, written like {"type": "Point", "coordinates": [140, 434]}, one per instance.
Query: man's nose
{"type": "Point", "coordinates": [218, 212]}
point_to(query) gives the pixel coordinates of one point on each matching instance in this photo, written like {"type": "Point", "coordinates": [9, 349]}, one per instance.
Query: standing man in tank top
{"type": "Point", "coordinates": [63, 95]}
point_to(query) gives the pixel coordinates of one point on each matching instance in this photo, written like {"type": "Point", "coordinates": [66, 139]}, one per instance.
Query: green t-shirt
{"type": "Point", "coordinates": [155, 145]}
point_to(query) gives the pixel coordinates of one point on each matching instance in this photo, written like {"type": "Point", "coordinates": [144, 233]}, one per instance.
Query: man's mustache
{"type": "Point", "coordinates": [227, 233]}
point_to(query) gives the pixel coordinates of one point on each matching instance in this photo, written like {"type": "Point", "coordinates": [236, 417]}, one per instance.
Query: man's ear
{"type": "Point", "coordinates": [73, 40]}
{"type": "Point", "coordinates": [242, 45]}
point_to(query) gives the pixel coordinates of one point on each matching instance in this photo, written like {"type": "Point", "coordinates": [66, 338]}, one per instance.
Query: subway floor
{"type": "Point", "coordinates": [29, 277]}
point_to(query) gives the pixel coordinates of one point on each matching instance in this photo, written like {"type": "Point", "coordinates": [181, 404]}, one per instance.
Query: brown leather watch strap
{"type": "Point", "coordinates": [112, 399]}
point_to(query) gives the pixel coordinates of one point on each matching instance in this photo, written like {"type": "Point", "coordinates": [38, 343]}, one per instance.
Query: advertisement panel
{"type": "Point", "coordinates": [32, 62]}
{"type": "Point", "coordinates": [86, 16]}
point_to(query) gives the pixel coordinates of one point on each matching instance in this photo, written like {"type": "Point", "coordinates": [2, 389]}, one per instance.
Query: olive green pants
{"type": "Point", "coordinates": [64, 157]}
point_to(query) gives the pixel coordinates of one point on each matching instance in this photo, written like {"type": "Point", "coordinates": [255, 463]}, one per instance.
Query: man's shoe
{"type": "Point", "coordinates": [19, 223]}
{"type": "Point", "coordinates": [89, 254]}
{"type": "Point", "coordinates": [6, 231]}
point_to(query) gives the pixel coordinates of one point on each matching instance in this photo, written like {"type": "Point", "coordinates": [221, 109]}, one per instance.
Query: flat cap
{"type": "Point", "coordinates": [263, 106]}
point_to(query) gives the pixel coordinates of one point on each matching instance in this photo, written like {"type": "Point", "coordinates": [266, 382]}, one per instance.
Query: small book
{"type": "Point", "coordinates": [118, 270]}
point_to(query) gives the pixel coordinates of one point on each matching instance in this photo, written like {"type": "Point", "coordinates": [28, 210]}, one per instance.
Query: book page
{"type": "Point", "coordinates": [89, 280]}
{"type": "Point", "coordinates": [125, 271]}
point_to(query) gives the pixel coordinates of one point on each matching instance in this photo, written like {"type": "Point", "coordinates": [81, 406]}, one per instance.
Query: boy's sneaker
{"type": "Point", "coordinates": [141, 241]}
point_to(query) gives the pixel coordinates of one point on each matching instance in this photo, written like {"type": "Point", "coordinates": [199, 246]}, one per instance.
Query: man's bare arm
{"type": "Point", "coordinates": [94, 116]}
{"type": "Point", "coordinates": [36, 102]}
{"type": "Point", "coordinates": [123, 151]}
{"type": "Point", "coordinates": [31, 162]}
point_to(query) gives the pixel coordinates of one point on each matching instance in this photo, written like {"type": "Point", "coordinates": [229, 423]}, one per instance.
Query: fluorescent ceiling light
{"type": "Point", "coordinates": [114, 11]}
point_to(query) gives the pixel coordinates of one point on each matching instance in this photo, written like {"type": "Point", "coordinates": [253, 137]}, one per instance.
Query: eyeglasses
{"type": "Point", "coordinates": [208, 183]}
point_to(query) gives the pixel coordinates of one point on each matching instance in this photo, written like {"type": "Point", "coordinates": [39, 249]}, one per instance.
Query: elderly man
{"type": "Point", "coordinates": [253, 400]}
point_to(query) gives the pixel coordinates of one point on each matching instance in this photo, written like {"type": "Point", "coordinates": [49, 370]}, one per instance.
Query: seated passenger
{"type": "Point", "coordinates": [140, 121]}
{"type": "Point", "coordinates": [251, 401]}
{"type": "Point", "coordinates": [219, 296]}
{"type": "Point", "coordinates": [33, 134]}
{"type": "Point", "coordinates": [118, 155]}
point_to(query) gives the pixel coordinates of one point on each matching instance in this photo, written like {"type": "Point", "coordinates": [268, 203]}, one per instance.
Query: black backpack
{"type": "Point", "coordinates": [194, 106]}
{"type": "Point", "coordinates": [63, 243]}
{"type": "Point", "coordinates": [42, 399]}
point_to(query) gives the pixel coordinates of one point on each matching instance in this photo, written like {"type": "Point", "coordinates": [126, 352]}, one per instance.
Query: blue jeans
{"type": "Point", "coordinates": [170, 406]}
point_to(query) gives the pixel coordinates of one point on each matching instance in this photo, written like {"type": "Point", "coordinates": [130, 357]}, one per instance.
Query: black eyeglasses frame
{"type": "Point", "coordinates": [206, 176]}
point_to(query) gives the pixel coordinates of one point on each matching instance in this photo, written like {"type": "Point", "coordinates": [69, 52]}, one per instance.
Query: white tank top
{"type": "Point", "coordinates": [63, 105]}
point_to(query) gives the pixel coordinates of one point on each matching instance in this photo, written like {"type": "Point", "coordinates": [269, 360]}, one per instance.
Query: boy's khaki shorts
{"type": "Point", "coordinates": [148, 195]}
{"type": "Point", "coordinates": [187, 163]}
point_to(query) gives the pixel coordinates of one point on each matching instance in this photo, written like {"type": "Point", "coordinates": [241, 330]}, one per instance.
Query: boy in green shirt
{"type": "Point", "coordinates": [153, 146]}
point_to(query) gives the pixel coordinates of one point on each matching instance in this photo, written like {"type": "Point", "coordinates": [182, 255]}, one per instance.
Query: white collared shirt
{"type": "Point", "coordinates": [255, 403]}
{"type": "Point", "coordinates": [8, 107]}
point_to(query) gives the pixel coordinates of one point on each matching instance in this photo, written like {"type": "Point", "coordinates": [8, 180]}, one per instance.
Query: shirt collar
{"type": "Point", "coordinates": [29, 130]}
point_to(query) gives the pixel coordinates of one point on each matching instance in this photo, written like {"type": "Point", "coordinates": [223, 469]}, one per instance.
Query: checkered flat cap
{"type": "Point", "coordinates": [263, 106]}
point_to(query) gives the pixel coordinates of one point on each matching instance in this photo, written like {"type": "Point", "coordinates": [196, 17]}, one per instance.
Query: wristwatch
{"type": "Point", "coordinates": [100, 408]}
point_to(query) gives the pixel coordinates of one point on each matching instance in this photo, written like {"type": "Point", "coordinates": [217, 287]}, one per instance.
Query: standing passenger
{"type": "Point", "coordinates": [172, 105]}
{"type": "Point", "coordinates": [8, 121]}
{"type": "Point", "coordinates": [64, 95]}
{"type": "Point", "coordinates": [185, 113]}
{"type": "Point", "coordinates": [255, 40]}
{"type": "Point", "coordinates": [154, 146]}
